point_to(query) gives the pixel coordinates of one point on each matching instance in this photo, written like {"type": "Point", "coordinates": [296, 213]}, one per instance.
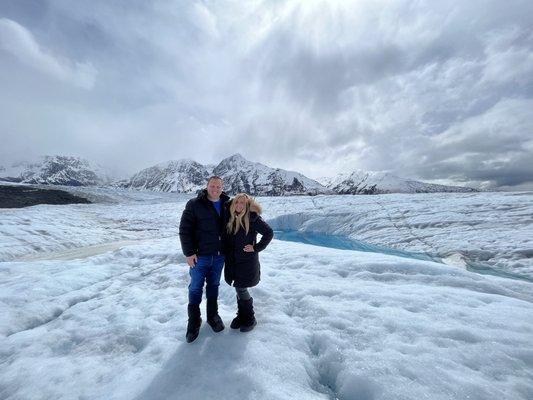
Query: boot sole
{"type": "Point", "coordinates": [213, 325]}
{"type": "Point", "coordinates": [190, 340]}
{"type": "Point", "coordinates": [195, 336]}
{"type": "Point", "coordinates": [235, 324]}
{"type": "Point", "coordinates": [248, 328]}
{"type": "Point", "coordinates": [216, 330]}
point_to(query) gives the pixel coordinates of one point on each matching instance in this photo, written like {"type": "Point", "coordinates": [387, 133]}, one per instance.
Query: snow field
{"type": "Point", "coordinates": [47, 228]}
{"type": "Point", "coordinates": [82, 322]}
{"type": "Point", "coordinates": [490, 229]}
{"type": "Point", "coordinates": [494, 229]}
{"type": "Point", "coordinates": [384, 327]}
{"type": "Point", "coordinates": [93, 303]}
{"type": "Point", "coordinates": [332, 324]}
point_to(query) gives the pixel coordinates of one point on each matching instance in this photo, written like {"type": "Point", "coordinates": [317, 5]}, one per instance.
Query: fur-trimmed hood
{"type": "Point", "coordinates": [255, 207]}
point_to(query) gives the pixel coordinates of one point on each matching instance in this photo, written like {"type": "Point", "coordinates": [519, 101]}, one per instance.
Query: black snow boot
{"type": "Point", "coordinates": [195, 321]}
{"type": "Point", "coordinates": [236, 323]}
{"type": "Point", "coordinates": [213, 319]}
{"type": "Point", "coordinates": [246, 310]}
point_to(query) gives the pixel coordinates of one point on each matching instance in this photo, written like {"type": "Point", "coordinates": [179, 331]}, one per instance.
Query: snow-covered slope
{"type": "Point", "coordinates": [375, 182]}
{"type": "Point", "coordinates": [184, 176]}
{"type": "Point", "coordinates": [56, 170]}
{"type": "Point", "coordinates": [93, 305]}
{"type": "Point", "coordinates": [471, 230]}
{"type": "Point", "coordinates": [241, 175]}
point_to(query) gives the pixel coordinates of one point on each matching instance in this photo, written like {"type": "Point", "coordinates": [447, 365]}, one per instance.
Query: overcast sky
{"type": "Point", "coordinates": [436, 90]}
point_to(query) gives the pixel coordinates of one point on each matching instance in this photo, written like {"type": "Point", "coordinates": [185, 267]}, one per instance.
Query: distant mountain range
{"type": "Point", "coordinates": [56, 170]}
{"type": "Point", "coordinates": [183, 176]}
{"type": "Point", "coordinates": [377, 182]}
{"type": "Point", "coordinates": [239, 174]}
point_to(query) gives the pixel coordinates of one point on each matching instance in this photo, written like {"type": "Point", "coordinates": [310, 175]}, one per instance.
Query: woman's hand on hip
{"type": "Point", "coordinates": [249, 248]}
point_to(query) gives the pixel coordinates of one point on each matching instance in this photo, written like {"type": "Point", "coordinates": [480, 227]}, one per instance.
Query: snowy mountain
{"type": "Point", "coordinates": [241, 175]}
{"type": "Point", "coordinates": [184, 176]}
{"type": "Point", "coordinates": [55, 170]}
{"type": "Point", "coordinates": [376, 182]}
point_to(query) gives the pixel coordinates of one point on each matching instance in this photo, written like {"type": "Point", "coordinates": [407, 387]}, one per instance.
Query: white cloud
{"type": "Point", "coordinates": [424, 89]}
{"type": "Point", "coordinates": [505, 61]}
{"type": "Point", "coordinates": [17, 40]}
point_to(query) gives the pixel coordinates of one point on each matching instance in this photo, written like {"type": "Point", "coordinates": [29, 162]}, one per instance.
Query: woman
{"type": "Point", "coordinates": [242, 269]}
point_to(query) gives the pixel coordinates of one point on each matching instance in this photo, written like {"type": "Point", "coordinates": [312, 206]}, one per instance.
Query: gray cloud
{"type": "Point", "coordinates": [18, 41]}
{"type": "Point", "coordinates": [436, 90]}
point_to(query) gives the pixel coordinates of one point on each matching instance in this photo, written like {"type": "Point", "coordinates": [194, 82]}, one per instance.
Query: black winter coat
{"type": "Point", "coordinates": [201, 227]}
{"type": "Point", "coordinates": [243, 269]}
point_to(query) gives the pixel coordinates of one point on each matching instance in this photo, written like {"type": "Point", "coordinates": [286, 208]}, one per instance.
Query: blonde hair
{"type": "Point", "coordinates": [241, 220]}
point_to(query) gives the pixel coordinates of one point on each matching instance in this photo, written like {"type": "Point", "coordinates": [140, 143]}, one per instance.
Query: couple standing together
{"type": "Point", "coordinates": [214, 231]}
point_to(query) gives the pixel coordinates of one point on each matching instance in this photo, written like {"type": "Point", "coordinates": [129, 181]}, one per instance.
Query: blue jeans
{"type": "Point", "coordinates": [208, 269]}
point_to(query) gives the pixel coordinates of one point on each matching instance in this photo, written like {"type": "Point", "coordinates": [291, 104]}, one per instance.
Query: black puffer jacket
{"type": "Point", "coordinates": [201, 227]}
{"type": "Point", "coordinates": [242, 269]}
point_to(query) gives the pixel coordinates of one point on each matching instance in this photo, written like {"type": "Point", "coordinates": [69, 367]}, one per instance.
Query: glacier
{"type": "Point", "coordinates": [93, 301]}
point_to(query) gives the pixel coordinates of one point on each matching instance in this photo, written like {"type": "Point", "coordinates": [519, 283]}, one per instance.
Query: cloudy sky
{"type": "Point", "coordinates": [436, 90]}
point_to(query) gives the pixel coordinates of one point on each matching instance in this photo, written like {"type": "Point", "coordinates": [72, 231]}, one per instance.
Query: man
{"type": "Point", "coordinates": [200, 233]}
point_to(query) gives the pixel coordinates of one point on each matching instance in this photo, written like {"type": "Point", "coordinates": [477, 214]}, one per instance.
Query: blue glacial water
{"type": "Point", "coordinates": [344, 243]}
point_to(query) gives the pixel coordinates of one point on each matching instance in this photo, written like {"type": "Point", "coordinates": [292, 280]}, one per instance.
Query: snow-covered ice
{"type": "Point", "coordinates": [478, 229]}
{"type": "Point", "coordinates": [93, 303]}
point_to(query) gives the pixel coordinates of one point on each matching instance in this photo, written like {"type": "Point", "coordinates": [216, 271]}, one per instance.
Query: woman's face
{"type": "Point", "coordinates": [240, 205]}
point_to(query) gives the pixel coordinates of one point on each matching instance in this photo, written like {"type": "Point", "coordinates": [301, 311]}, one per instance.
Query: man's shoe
{"type": "Point", "coordinates": [213, 319]}
{"type": "Point", "coordinates": [194, 323]}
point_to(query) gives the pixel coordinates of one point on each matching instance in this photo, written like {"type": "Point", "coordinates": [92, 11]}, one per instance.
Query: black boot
{"type": "Point", "coordinates": [236, 323]}
{"type": "Point", "coordinates": [195, 321]}
{"type": "Point", "coordinates": [246, 308]}
{"type": "Point", "coordinates": [213, 319]}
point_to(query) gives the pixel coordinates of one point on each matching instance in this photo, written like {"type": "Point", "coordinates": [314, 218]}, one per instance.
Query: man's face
{"type": "Point", "coordinates": [214, 188]}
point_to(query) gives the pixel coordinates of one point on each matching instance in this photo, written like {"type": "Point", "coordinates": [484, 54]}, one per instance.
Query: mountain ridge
{"type": "Point", "coordinates": [239, 174]}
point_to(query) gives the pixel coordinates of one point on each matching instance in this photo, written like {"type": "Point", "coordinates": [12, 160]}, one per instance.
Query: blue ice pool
{"type": "Point", "coordinates": [344, 243]}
